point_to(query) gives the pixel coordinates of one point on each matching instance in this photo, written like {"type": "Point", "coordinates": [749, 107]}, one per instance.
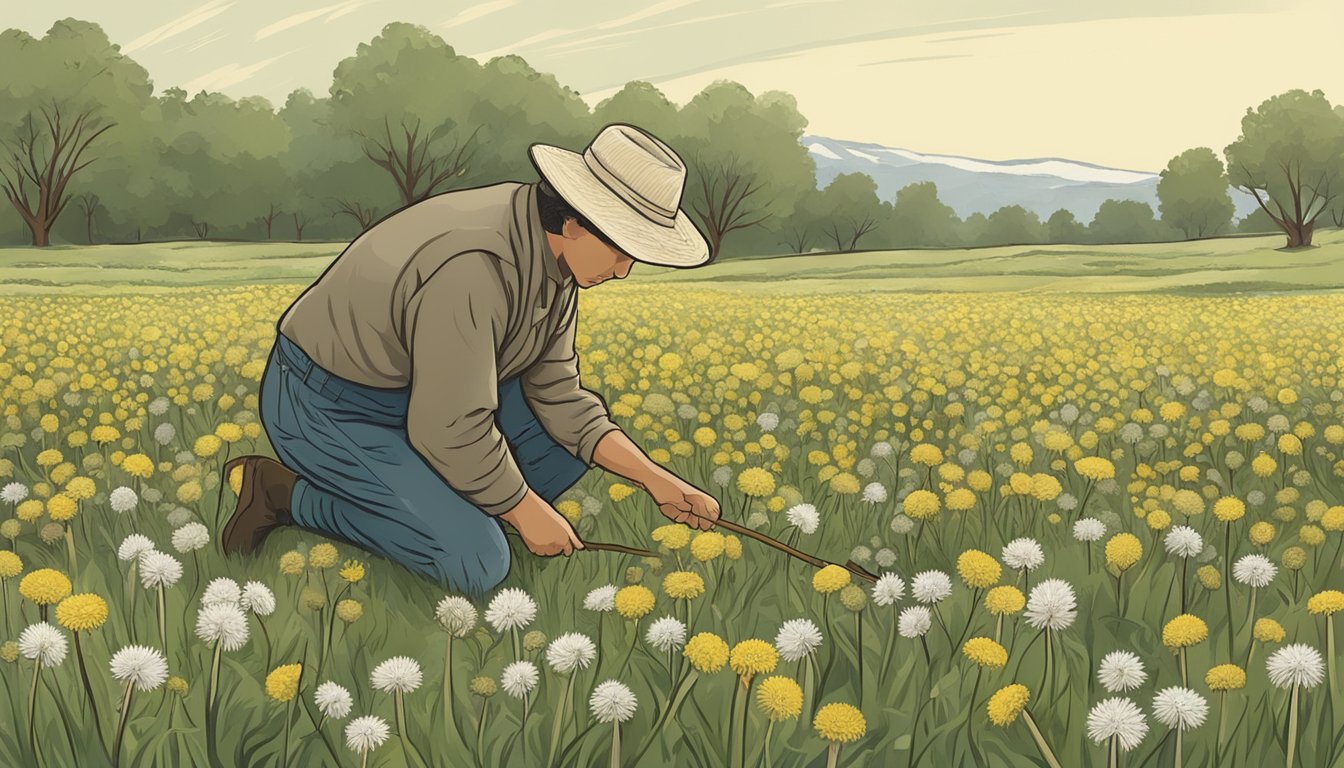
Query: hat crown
{"type": "Point", "coordinates": [640, 169]}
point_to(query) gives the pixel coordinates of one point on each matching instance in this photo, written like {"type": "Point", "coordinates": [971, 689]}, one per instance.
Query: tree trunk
{"type": "Point", "coordinates": [41, 236]}
{"type": "Point", "coordinates": [299, 224]}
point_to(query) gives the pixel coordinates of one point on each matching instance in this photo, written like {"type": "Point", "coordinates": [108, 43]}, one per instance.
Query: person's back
{"type": "Point", "coordinates": [346, 320]}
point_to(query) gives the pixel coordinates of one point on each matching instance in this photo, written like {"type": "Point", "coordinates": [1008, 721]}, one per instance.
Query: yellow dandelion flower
{"type": "Point", "coordinates": [920, 504]}
{"type": "Point", "coordinates": [985, 652]}
{"type": "Point", "coordinates": [138, 465]}
{"type": "Point", "coordinates": [1229, 509]}
{"type": "Point", "coordinates": [1094, 468]}
{"type": "Point", "coordinates": [177, 685]}
{"type": "Point", "coordinates": [753, 657]}
{"type": "Point", "coordinates": [571, 509]}
{"type": "Point", "coordinates": [11, 565]}
{"type": "Point", "coordinates": [352, 571]}
{"type": "Point", "coordinates": [1184, 631]}
{"type": "Point", "coordinates": [978, 569]}
{"type": "Point", "coordinates": [44, 586]}
{"type": "Point", "coordinates": [683, 585]}
{"type": "Point", "coordinates": [282, 684]}
{"type": "Point", "coordinates": [831, 578]}
{"type": "Point", "coordinates": [707, 652]}
{"type": "Point", "coordinates": [1328, 602]}
{"type": "Point", "coordinates": [780, 698]}
{"type": "Point", "coordinates": [61, 508]}
{"type": "Point", "coordinates": [292, 563]}
{"type": "Point", "coordinates": [634, 602]}
{"type": "Point", "coordinates": [1225, 677]}
{"type": "Point", "coordinates": [81, 613]}
{"type": "Point", "coordinates": [322, 555]}
{"type": "Point", "coordinates": [1209, 577]}
{"type": "Point", "coordinates": [1123, 550]}
{"type": "Point", "coordinates": [1268, 631]}
{"type": "Point", "coordinates": [839, 723]}
{"type": "Point", "coordinates": [29, 510]}
{"type": "Point", "coordinates": [206, 446]}
{"type": "Point", "coordinates": [349, 610]}
{"type": "Point", "coordinates": [732, 547]}
{"type": "Point", "coordinates": [674, 537]}
{"type": "Point", "coordinates": [756, 482]}
{"type": "Point", "coordinates": [1007, 704]}
{"type": "Point", "coordinates": [1005, 600]}
{"type": "Point", "coordinates": [619, 492]}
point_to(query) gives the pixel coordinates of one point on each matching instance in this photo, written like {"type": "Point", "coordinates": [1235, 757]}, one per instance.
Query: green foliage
{"type": "Point", "coordinates": [1193, 194]}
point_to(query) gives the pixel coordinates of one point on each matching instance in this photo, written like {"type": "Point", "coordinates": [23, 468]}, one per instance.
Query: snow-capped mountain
{"type": "Point", "coordinates": [1042, 185]}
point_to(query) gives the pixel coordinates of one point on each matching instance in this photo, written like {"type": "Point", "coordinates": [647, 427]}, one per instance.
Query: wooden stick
{"type": "Point", "coordinates": [619, 548]}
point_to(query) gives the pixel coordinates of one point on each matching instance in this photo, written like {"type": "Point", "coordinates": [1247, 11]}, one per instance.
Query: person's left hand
{"type": "Point", "coordinates": [681, 502]}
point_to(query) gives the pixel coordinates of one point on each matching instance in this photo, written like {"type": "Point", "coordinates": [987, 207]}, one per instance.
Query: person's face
{"type": "Point", "coordinates": [590, 260]}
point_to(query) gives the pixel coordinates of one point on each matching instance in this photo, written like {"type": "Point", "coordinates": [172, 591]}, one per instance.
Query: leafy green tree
{"type": "Point", "coordinates": [746, 161]}
{"type": "Point", "coordinates": [1193, 195]}
{"type": "Point", "coordinates": [1124, 221]}
{"type": "Point", "coordinates": [1012, 225]}
{"type": "Point", "coordinates": [920, 220]}
{"type": "Point", "coordinates": [1257, 222]}
{"type": "Point", "coordinates": [849, 210]}
{"type": "Point", "coordinates": [642, 104]}
{"type": "Point", "coordinates": [61, 96]}
{"type": "Point", "coordinates": [515, 107]}
{"type": "Point", "coordinates": [1289, 157]}
{"type": "Point", "coordinates": [973, 229]}
{"type": "Point", "coordinates": [1064, 227]}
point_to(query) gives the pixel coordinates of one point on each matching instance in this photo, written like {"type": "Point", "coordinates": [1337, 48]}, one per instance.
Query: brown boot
{"type": "Point", "coordinates": [263, 503]}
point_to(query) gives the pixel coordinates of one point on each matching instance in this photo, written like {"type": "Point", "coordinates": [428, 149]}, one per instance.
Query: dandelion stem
{"type": "Point", "coordinates": [1036, 736]}
{"type": "Point", "coordinates": [560, 718]}
{"type": "Point", "coordinates": [163, 620]}
{"type": "Point", "coordinates": [1292, 726]}
{"type": "Point", "coordinates": [480, 730]}
{"type": "Point", "coordinates": [615, 744]}
{"type": "Point", "coordinates": [121, 723]}
{"type": "Point", "coordinates": [769, 731]}
{"type": "Point", "coordinates": [833, 754]}
{"type": "Point", "coordinates": [32, 708]}
{"type": "Point", "coordinates": [88, 690]}
{"type": "Point", "coordinates": [70, 549]}
{"type": "Point", "coordinates": [1227, 582]}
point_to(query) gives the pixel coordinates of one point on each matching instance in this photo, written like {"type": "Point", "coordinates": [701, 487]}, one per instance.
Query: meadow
{"type": "Point", "coordinates": [1108, 528]}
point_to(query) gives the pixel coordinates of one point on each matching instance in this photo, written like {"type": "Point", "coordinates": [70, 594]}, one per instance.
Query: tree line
{"type": "Point", "coordinates": [90, 153]}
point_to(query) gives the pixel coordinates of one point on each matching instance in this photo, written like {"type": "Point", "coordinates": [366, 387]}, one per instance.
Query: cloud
{"type": "Point", "coordinates": [179, 25]}
{"type": "Point", "coordinates": [228, 75]}
{"type": "Point", "coordinates": [584, 44]}
{"type": "Point", "coordinates": [330, 12]}
{"type": "Point", "coordinates": [477, 11]}
{"type": "Point", "coordinates": [910, 59]}
{"type": "Point", "coordinates": [540, 37]}
{"type": "Point", "coordinates": [657, 9]}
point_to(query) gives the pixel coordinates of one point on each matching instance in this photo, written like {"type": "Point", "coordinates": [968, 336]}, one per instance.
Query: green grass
{"type": "Point", "coordinates": [1220, 265]}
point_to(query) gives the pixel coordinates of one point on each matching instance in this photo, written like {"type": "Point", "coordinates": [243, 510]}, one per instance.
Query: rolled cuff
{"type": "Point", "coordinates": [498, 508]}
{"type": "Point", "coordinates": [589, 439]}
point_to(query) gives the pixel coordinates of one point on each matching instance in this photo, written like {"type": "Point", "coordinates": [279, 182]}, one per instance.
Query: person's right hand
{"type": "Point", "coordinates": [544, 531]}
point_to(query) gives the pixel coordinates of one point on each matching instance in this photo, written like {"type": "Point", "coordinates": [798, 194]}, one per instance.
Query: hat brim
{"type": "Point", "coordinates": [680, 245]}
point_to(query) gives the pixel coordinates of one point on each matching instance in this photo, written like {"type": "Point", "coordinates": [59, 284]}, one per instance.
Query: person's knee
{"type": "Point", "coordinates": [473, 561]}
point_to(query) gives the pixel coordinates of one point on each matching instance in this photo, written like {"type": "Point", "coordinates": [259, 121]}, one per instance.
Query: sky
{"type": "Point", "coordinates": [1123, 84]}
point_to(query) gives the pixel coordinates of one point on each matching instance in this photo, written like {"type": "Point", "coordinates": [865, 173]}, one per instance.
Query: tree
{"type": "Point", "coordinates": [1193, 194]}
{"type": "Point", "coordinates": [849, 209]}
{"type": "Point", "coordinates": [1289, 157]}
{"type": "Point", "coordinates": [423, 137]}
{"type": "Point", "coordinates": [1063, 227]}
{"type": "Point", "coordinates": [920, 220]}
{"type": "Point", "coordinates": [1012, 225]}
{"type": "Point", "coordinates": [746, 161]}
{"type": "Point", "coordinates": [641, 104]}
{"type": "Point", "coordinates": [60, 97]}
{"type": "Point", "coordinates": [973, 228]}
{"type": "Point", "coordinates": [1123, 221]}
{"type": "Point", "coordinates": [89, 207]}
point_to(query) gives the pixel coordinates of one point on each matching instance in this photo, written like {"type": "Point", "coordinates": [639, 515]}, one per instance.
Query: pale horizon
{"type": "Point", "coordinates": [1124, 88]}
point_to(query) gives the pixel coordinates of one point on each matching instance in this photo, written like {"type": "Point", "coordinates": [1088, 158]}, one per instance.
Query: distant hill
{"type": "Point", "coordinates": [1041, 184]}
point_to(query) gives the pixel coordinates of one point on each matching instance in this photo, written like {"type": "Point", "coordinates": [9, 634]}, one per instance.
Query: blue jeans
{"type": "Point", "coordinates": [361, 481]}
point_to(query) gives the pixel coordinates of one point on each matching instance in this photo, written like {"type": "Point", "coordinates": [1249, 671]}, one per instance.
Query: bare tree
{"type": "Point", "coordinates": [88, 205]}
{"type": "Point", "coordinates": [416, 169]}
{"type": "Point", "coordinates": [39, 164]}
{"type": "Point", "coordinates": [362, 214]}
{"type": "Point", "coordinates": [300, 221]}
{"type": "Point", "coordinates": [202, 228]}
{"type": "Point", "coordinates": [847, 239]}
{"type": "Point", "coordinates": [272, 213]}
{"type": "Point", "coordinates": [729, 199]}
{"type": "Point", "coordinates": [797, 237]}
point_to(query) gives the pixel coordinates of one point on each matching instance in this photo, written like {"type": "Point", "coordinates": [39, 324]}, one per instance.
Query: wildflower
{"type": "Point", "coordinates": [1051, 605]}
{"type": "Point", "coordinates": [888, 590]}
{"type": "Point", "coordinates": [1023, 554]}
{"type": "Point", "coordinates": [683, 585]}
{"type": "Point", "coordinates": [1268, 631]}
{"type": "Point", "coordinates": [456, 615]}
{"type": "Point", "coordinates": [707, 545]}
{"type": "Point", "coordinates": [931, 587]}
{"type": "Point", "coordinates": [839, 723]}
{"type": "Point", "coordinates": [634, 602]}
{"type": "Point", "coordinates": [322, 555]}
{"type": "Point", "coordinates": [282, 684]}
{"type": "Point", "coordinates": [1183, 541]}
{"type": "Point", "coordinates": [122, 499]}
{"type": "Point", "coordinates": [1297, 665]}
{"type": "Point", "coordinates": [1180, 708]}
{"type": "Point", "coordinates": [1005, 600]}
{"type": "Point", "coordinates": [133, 546]}
{"type": "Point", "coordinates": [602, 599]}
{"type": "Point", "coordinates": [292, 563]}
{"type": "Point", "coordinates": [1089, 529]}
{"type": "Point", "coordinates": [797, 638]}
{"type": "Point", "coordinates": [977, 569]}
{"type": "Point", "coordinates": [159, 570]}
{"type": "Point", "coordinates": [1123, 550]}
{"type": "Point", "coordinates": [1007, 704]}
{"type": "Point", "coordinates": [222, 590]}
{"type": "Point", "coordinates": [921, 504]}
{"type": "Point", "coordinates": [830, 578]}
{"type": "Point", "coordinates": [1229, 509]}
{"type": "Point", "coordinates": [352, 572]}
{"type": "Point", "coordinates": [707, 652]}
{"type": "Point", "coordinates": [257, 598]}
{"type": "Point", "coordinates": [1325, 603]}
{"type": "Point", "coordinates": [365, 734]}
{"type": "Point", "coordinates": [1184, 631]}
{"type": "Point", "coordinates": [399, 674]}
{"type": "Point", "coordinates": [673, 537]}
{"type": "Point", "coordinates": [43, 643]}
{"type": "Point", "coordinates": [191, 537]}
{"type": "Point", "coordinates": [1119, 719]}
{"type": "Point", "coordinates": [665, 634]}
{"type": "Point", "coordinates": [519, 678]}
{"type": "Point", "coordinates": [804, 517]}
{"type": "Point", "coordinates": [985, 652]}
{"type": "Point", "coordinates": [332, 700]}
{"type": "Point", "coordinates": [222, 624]}
{"type": "Point", "coordinates": [1225, 677]}
{"type": "Point", "coordinates": [1121, 671]}
{"type": "Point", "coordinates": [511, 608]}
{"type": "Point", "coordinates": [1255, 571]}
{"type": "Point", "coordinates": [914, 622]}
{"type": "Point", "coordinates": [534, 641]}
{"type": "Point", "coordinates": [571, 651]}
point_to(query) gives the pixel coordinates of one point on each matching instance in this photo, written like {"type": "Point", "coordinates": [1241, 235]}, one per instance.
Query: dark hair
{"type": "Point", "coordinates": [554, 210]}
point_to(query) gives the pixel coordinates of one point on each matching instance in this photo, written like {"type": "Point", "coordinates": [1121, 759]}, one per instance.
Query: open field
{"type": "Point", "coordinates": [1139, 472]}
{"type": "Point", "coordinates": [1207, 266]}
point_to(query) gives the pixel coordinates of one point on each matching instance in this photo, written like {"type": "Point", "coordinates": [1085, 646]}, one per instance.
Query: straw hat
{"type": "Point", "coordinates": [629, 185]}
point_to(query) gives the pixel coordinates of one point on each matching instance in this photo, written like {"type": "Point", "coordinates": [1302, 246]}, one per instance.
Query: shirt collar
{"type": "Point", "coordinates": [536, 236]}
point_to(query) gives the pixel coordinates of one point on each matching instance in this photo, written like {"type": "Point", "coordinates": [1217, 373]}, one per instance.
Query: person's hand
{"type": "Point", "coordinates": [544, 531]}
{"type": "Point", "coordinates": [681, 502]}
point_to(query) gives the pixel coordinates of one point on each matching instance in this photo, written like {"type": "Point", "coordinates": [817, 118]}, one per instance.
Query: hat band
{"type": "Point", "coordinates": [649, 209]}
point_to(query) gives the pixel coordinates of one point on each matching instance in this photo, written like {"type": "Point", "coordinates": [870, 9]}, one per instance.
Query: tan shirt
{"type": "Point", "coordinates": [451, 296]}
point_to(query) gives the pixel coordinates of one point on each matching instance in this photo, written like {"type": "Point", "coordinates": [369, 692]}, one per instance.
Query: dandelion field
{"type": "Point", "coordinates": [1108, 529]}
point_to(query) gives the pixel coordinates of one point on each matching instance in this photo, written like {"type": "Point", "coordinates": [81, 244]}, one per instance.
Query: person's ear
{"type": "Point", "coordinates": [572, 230]}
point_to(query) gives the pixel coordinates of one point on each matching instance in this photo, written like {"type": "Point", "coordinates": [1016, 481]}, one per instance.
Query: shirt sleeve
{"type": "Point", "coordinates": [577, 418]}
{"type": "Point", "coordinates": [454, 325]}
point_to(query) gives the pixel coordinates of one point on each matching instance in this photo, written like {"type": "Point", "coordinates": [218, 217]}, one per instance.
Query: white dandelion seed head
{"type": "Point", "coordinates": [257, 598]}
{"type": "Point", "coordinates": [914, 622]}
{"type": "Point", "coordinates": [722, 476]}
{"type": "Point", "coordinates": [902, 524]}
{"type": "Point", "coordinates": [885, 558]}
{"type": "Point", "coordinates": [1089, 529]}
{"type": "Point", "coordinates": [931, 587]}
{"type": "Point", "coordinates": [332, 700]}
{"type": "Point", "coordinates": [1297, 664]}
{"type": "Point", "coordinates": [861, 554]}
{"type": "Point", "coordinates": [1254, 571]}
{"type": "Point", "coordinates": [867, 468]}
{"type": "Point", "coordinates": [570, 652]}
{"type": "Point", "coordinates": [222, 590]}
{"type": "Point", "coordinates": [165, 433]}
{"type": "Point", "coordinates": [222, 623]}
{"type": "Point", "coordinates": [190, 537]}
{"type": "Point", "coordinates": [159, 569]}
{"type": "Point", "coordinates": [179, 516]}
{"type": "Point", "coordinates": [1024, 553]}
{"type": "Point", "coordinates": [1183, 541]}
{"type": "Point", "coordinates": [1180, 708]}
{"type": "Point", "coordinates": [797, 638]}
{"type": "Point", "coordinates": [159, 405]}
{"type": "Point", "coordinates": [1117, 718]}
{"type": "Point", "coordinates": [888, 590]}
{"type": "Point", "coordinates": [366, 733]}
{"type": "Point", "coordinates": [665, 634]}
{"type": "Point", "coordinates": [512, 608]}
{"type": "Point", "coordinates": [122, 499]}
{"type": "Point", "coordinates": [13, 493]}
{"type": "Point", "coordinates": [399, 674]}
{"type": "Point", "coordinates": [804, 517]}
{"type": "Point", "coordinates": [133, 546]}
{"type": "Point", "coordinates": [612, 702]}
{"type": "Point", "coordinates": [880, 450]}
{"type": "Point", "coordinates": [144, 667]}
{"type": "Point", "coordinates": [601, 599]}
{"type": "Point", "coordinates": [43, 643]}
{"type": "Point", "coordinates": [519, 678]}
{"type": "Point", "coordinates": [874, 493]}
{"type": "Point", "coordinates": [1052, 605]}
{"type": "Point", "coordinates": [767, 421]}
{"type": "Point", "coordinates": [1121, 671]}
{"type": "Point", "coordinates": [456, 615]}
